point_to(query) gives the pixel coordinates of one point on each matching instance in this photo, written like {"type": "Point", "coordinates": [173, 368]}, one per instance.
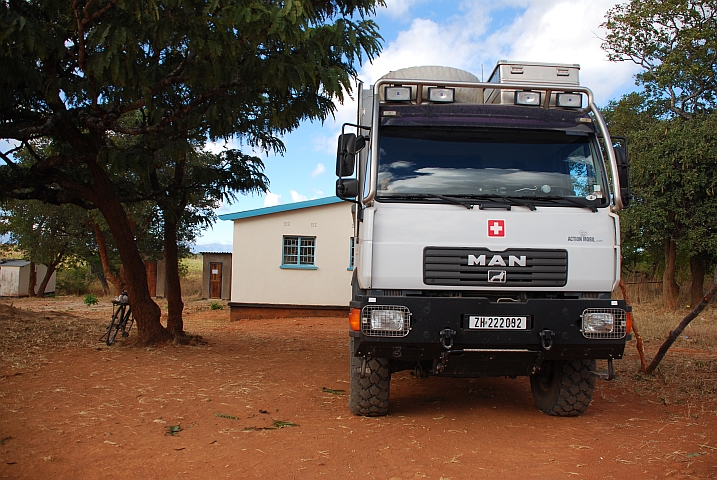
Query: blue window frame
{"type": "Point", "coordinates": [299, 252]}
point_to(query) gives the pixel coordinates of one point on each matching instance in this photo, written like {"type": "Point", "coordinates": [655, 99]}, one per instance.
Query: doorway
{"type": "Point", "coordinates": [215, 280]}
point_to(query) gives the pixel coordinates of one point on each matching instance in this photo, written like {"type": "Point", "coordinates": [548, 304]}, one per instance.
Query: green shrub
{"type": "Point", "coordinates": [91, 300]}
{"type": "Point", "coordinates": [216, 306]}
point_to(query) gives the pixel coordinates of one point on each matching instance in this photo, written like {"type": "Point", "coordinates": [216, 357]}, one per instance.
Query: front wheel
{"type": "Point", "coordinates": [369, 395]}
{"type": "Point", "coordinates": [113, 327]}
{"type": "Point", "coordinates": [564, 388]}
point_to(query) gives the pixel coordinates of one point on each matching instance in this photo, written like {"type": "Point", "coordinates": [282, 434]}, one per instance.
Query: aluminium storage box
{"type": "Point", "coordinates": [529, 73]}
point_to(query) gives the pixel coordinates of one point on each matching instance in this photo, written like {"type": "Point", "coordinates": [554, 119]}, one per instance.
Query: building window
{"type": "Point", "coordinates": [351, 253]}
{"type": "Point", "coordinates": [299, 252]}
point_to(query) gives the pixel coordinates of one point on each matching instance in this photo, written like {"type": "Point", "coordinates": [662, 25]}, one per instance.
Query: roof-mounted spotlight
{"type": "Point", "coordinates": [569, 100]}
{"type": "Point", "coordinates": [441, 95]}
{"type": "Point", "coordinates": [528, 98]}
{"type": "Point", "coordinates": [397, 94]}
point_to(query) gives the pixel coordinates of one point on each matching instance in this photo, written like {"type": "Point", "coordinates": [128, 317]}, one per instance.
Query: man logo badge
{"type": "Point", "coordinates": [496, 276]}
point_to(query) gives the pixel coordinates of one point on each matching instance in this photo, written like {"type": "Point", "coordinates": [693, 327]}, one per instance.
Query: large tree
{"type": "Point", "coordinates": [675, 42]}
{"type": "Point", "coordinates": [188, 185]}
{"type": "Point", "coordinates": [80, 72]}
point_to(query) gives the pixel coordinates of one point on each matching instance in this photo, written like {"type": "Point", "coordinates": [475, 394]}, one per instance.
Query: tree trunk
{"type": "Point", "coordinates": [175, 323]}
{"type": "Point", "coordinates": [146, 312]}
{"type": "Point", "coordinates": [33, 280]}
{"type": "Point", "coordinates": [670, 289]}
{"type": "Point", "coordinates": [105, 258]}
{"type": "Point", "coordinates": [697, 286]}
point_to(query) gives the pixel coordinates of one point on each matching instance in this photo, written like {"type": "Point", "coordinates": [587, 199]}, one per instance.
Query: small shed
{"type": "Point", "coordinates": [217, 275]}
{"type": "Point", "coordinates": [15, 278]}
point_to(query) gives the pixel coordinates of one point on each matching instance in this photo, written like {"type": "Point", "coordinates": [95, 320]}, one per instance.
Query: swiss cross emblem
{"type": "Point", "coordinates": [496, 228]}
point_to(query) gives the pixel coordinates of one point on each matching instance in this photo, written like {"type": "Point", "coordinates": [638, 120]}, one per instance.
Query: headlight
{"type": "Point", "coordinates": [595, 322]}
{"type": "Point", "coordinates": [385, 320]}
{"type": "Point", "coordinates": [390, 320]}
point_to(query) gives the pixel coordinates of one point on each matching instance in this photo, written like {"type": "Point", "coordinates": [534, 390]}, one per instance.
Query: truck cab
{"type": "Point", "coordinates": [487, 240]}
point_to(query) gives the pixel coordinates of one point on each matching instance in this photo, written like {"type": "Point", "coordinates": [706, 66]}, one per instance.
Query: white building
{"type": "Point", "coordinates": [292, 260]}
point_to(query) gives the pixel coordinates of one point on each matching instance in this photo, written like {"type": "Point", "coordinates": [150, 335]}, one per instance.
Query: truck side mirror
{"type": "Point", "coordinates": [349, 146]}
{"type": "Point", "coordinates": [346, 155]}
{"type": "Point", "coordinates": [347, 188]}
{"type": "Point", "coordinates": [623, 173]}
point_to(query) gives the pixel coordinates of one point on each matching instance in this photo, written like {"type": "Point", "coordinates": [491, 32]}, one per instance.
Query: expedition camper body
{"type": "Point", "coordinates": [486, 236]}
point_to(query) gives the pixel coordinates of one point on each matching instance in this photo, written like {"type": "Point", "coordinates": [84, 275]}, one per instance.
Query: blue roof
{"type": "Point", "coordinates": [280, 208]}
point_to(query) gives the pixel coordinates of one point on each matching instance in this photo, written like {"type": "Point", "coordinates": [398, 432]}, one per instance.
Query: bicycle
{"type": "Point", "coordinates": [121, 321]}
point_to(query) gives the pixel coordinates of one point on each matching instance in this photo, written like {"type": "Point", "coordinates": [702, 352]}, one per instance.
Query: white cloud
{"type": "Point", "coordinates": [398, 9]}
{"type": "Point", "coordinates": [271, 199]}
{"type": "Point", "coordinates": [427, 42]}
{"type": "Point", "coordinates": [297, 197]}
{"type": "Point", "coordinates": [318, 170]}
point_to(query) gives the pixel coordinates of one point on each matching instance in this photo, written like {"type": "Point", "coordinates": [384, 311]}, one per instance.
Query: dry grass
{"type": "Point", "coordinates": [688, 373]}
{"type": "Point", "coordinates": [192, 281]}
{"type": "Point", "coordinates": [27, 337]}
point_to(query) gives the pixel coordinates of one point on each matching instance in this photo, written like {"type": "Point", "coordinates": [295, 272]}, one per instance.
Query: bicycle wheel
{"type": "Point", "coordinates": [114, 326]}
{"type": "Point", "coordinates": [127, 322]}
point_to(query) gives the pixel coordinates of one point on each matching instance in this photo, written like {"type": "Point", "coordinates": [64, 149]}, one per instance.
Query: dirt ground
{"type": "Point", "coordinates": [267, 399]}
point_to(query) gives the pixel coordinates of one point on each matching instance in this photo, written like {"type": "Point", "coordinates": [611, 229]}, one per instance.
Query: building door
{"type": "Point", "coordinates": [215, 280]}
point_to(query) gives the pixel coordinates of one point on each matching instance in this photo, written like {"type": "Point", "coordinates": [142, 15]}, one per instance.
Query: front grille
{"type": "Point", "coordinates": [481, 267]}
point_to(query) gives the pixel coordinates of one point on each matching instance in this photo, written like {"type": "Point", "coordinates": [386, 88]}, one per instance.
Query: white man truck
{"type": "Point", "coordinates": [487, 241]}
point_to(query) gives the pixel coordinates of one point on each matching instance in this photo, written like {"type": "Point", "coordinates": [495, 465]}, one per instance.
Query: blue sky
{"type": "Point", "coordinates": [470, 34]}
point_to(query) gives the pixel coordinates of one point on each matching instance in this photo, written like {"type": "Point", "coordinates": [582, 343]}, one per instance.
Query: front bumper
{"type": "Point", "coordinates": [553, 333]}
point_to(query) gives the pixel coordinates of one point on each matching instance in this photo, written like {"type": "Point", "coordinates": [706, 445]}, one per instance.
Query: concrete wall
{"type": "Point", "coordinates": [10, 281]}
{"type": "Point", "coordinates": [226, 260]}
{"type": "Point", "coordinates": [258, 278]}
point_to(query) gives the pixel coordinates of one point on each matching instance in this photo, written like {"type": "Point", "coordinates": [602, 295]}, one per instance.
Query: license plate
{"type": "Point", "coordinates": [497, 323]}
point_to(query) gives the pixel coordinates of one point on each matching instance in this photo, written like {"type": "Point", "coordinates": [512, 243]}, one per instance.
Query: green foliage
{"type": "Point", "coordinates": [674, 179]}
{"type": "Point", "coordinates": [675, 42]}
{"type": "Point", "coordinates": [46, 233]}
{"type": "Point", "coordinates": [216, 306]}
{"type": "Point", "coordinates": [90, 299]}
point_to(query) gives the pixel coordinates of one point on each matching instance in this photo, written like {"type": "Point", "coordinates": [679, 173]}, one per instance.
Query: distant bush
{"type": "Point", "coordinates": [216, 306]}
{"type": "Point", "coordinates": [74, 280]}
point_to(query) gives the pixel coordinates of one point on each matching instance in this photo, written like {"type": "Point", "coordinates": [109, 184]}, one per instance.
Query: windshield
{"type": "Point", "coordinates": [488, 162]}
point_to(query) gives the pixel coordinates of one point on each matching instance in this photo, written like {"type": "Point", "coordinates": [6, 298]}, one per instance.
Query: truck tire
{"type": "Point", "coordinates": [564, 388]}
{"type": "Point", "coordinates": [369, 395]}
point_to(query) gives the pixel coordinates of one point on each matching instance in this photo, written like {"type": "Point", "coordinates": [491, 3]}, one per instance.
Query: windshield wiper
{"type": "Point", "coordinates": [422, 196]}
{"type": "Point", "coordinates": [574, 201]}
{"type": "Point", "coordinates": [502, 201]}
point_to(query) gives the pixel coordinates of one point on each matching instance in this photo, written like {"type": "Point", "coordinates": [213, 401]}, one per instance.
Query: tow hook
{"type": "Point", "coordinates": [546, 339]}
{"type": "Point", "coordinates": [447, 338]}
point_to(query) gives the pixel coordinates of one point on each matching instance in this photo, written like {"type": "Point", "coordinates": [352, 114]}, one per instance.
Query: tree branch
{"type": "Point", "coordinates": [674, 334]}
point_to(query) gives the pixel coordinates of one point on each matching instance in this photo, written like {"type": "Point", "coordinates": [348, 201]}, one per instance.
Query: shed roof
{"type": "Point", "coordinates": [280, 208]}
{"type": "Point", "coordinates": [13, 263]}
